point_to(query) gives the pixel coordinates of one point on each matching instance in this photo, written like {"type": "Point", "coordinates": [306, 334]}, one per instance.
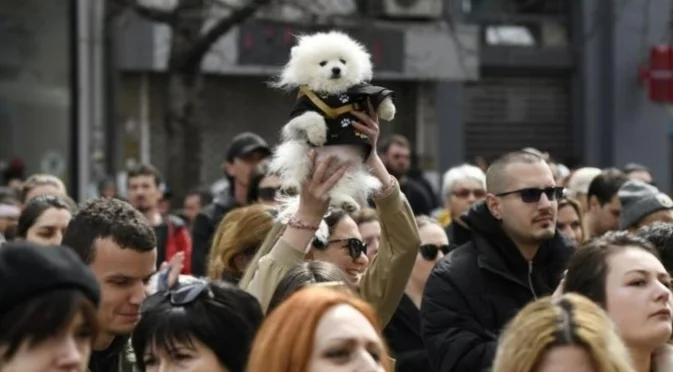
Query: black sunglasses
{"type": "Point", "coordinates": [355, 246]}
{"type": "Point", "coordinates": [533, 195]}
{"type": "Point", "coordinates": [267, 193]}
{"type": "Point", "coordinates": [183, 295]}
{"type": "Point", "coordinates": [429, 252]}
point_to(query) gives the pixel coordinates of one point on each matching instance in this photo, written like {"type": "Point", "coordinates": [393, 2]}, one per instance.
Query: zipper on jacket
{"type": "Point", "coordinates": [530, 279]}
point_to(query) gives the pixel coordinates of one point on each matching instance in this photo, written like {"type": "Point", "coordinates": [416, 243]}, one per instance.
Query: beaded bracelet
{"type": "Point", "coordinates": [296, 224]}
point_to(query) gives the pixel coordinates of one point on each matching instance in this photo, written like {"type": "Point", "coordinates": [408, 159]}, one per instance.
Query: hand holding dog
{"type": "Point", "coordinates": [369, 125]}
{"type": "Point", "coordinates": [314, 195]}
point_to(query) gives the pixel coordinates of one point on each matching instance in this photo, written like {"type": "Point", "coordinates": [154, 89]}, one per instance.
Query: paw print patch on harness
{"type": "Point", "coordinates": [344, 98]}
{"type": "Point", "coordinates": [346, 122]}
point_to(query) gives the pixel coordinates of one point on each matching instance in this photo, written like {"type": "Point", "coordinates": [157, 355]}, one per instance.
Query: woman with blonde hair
{"type": "Point", "coordinates": [40, 184]}
{"type": "Point", "coordinates": [569, 220]}
{"type": "Point", "coordinates": [320, 329]}
{"type": "Point", "coordinates": [237, 239]}
{"type": "Point", "coordinates": [568, 333]}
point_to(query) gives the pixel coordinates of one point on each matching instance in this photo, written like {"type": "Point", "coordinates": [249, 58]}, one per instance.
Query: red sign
{"type": "Point", "coordinates": [659, 74]}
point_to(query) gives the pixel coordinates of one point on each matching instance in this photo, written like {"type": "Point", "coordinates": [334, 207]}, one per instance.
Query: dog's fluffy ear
{"type": "Point", "coordinates": [294, 51]}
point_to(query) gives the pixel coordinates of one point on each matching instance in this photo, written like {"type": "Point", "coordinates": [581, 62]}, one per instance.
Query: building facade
{"type": "Point", "coordinates": [478, 78]}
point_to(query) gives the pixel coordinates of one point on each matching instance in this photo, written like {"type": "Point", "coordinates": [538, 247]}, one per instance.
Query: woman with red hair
{"type": "Point", "coordinates": [320, 329]}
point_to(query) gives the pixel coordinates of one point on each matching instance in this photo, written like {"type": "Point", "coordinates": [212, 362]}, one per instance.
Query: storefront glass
{"type": "Point", "coordinates": [36, 108]}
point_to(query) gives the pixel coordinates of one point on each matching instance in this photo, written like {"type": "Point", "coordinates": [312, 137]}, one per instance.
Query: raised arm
{"type": "Point", "coordinates": [386, 278]}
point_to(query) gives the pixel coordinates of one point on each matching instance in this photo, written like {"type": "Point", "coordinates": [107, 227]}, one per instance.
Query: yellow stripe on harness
{"type": "Point", "coordinates": [330, 112]}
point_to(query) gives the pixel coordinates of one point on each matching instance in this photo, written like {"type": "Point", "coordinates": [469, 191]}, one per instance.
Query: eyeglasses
{"type": "Point", "coordinates": [267, 193]}
{"type": "Point", "coordinates": [464, 193]}
{"type": "Point", "coordinates": [429, 252]}
{"type": "Point", "coordinates": [183, 295]}
{"type": "Point", "coordinates": [355, 246]}
{"type": "Point", "coordinates": [533, 195]}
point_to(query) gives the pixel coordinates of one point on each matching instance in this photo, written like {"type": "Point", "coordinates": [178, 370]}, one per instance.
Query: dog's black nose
{"type": "Point", "coordinates": [336, 71]}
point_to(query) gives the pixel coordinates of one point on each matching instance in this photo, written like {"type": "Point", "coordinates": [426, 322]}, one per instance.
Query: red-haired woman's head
{"type": "Point", "coordinates": [319, 328]}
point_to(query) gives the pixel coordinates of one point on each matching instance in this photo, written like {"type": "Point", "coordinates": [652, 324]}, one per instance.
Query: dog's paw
{"type": "Point", "coordinates": [349, 206]}
{"type": "Point", "coordinates": [345, 203]}
{"type": "Point", "coordinates": [386, 110]}
{"type": "Point", "coordinates": [290, 189]}
{"type": "Point", "coordinates": [316, 129]}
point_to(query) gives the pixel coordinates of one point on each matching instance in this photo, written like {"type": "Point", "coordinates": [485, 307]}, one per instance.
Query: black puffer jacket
{"type": "Point", "coordinates": [475, 290]}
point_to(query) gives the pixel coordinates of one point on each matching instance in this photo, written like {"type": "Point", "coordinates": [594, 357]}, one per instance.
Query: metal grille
{"type": "Point", "coordinates": [506, 114]}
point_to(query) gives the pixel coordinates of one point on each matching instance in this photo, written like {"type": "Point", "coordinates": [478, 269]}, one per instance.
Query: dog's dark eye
{"type": "Point", "coordinates": [343, 61]}
{"type": "Point", "coordinates": [323, 63]}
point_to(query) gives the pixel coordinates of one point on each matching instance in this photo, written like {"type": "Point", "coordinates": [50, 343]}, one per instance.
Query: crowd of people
{"type": "Point", "coordinates": [521, 266]}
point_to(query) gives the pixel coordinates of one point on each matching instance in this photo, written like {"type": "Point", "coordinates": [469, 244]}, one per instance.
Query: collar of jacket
{"type": "Point", "coordinates": [498, 253]}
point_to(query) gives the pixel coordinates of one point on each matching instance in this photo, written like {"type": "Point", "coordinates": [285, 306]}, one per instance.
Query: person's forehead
{"type": "Point", "coordinates": [53, 215]}
{"type": "Point", "coordinates": [467, 183]}
{"type": "Point", "coordinates": [568, 211]}
{"type": "Point", "coordinates": [346, 228]}
{"type": "Point", "coordinates": [397, 148]}
{"type": "Point", "coordinates": [142, 179]}
{"type": "Point", "coordinates": [344, 321]}
{"type": "Point", "coordinates": [370, 226]}
{"type": "Point", "coordinates": [433, 234]}
{"type": "Point", "coordinates": [109, 257]}
{"type": "Point", "coordinates": [522, 175]}
{"type": "Point", "coordinates": [193, 198]}
{"type": "Point", "coordinates": [634, 258]}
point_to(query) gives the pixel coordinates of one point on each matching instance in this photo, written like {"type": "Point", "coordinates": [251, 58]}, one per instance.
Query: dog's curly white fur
{"type": "Point", "coordinates": [313, 62]}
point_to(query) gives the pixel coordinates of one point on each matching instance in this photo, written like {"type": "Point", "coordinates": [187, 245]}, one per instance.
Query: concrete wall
{"type": "Point", "coordinates": [620, 124]}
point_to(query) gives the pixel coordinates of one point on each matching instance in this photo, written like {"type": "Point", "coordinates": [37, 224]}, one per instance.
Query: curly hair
{"type": "Point", "coordinates": [103, 218]}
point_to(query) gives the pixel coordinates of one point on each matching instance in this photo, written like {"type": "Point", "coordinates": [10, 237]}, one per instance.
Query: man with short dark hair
{"type": "Point", "coordinates": [145, 194]}
{"type": "Point", "coordinates": [514, 256]}
{"type": "Point", "coordinates": [118, 244]}
{"type": "Point", "coordinates": [604, 207]}
{"type": "Point", "coordinates": [244, 154]}
{"type": "Point", "coordinates": [395, 153]}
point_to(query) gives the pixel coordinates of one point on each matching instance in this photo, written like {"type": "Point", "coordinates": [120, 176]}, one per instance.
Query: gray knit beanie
{"type": "Point", "coordinates": [640, 199]}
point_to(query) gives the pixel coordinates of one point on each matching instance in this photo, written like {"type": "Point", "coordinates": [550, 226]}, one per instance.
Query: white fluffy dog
{"type": "Point", "coordinates": [332, 72]}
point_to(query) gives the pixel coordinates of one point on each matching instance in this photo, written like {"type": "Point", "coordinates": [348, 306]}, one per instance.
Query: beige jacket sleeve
{"type": "Point", "coordinates": [271, 269]}
{"type": "Point", "coordinates": [386, 277]}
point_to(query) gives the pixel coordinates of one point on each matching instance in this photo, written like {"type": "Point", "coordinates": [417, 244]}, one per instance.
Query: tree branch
{"type": "Point", "coordinates": [153, 14]}
{"type": "Point", "coordinates": [199, 49]}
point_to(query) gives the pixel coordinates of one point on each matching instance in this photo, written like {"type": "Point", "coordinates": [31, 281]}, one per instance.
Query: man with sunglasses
{"type": "Point", "coordinates": [513, 257]}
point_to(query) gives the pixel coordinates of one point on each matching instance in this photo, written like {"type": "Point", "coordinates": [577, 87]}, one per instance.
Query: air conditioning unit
{"type": "Point", "coordinates": [405, 9]}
